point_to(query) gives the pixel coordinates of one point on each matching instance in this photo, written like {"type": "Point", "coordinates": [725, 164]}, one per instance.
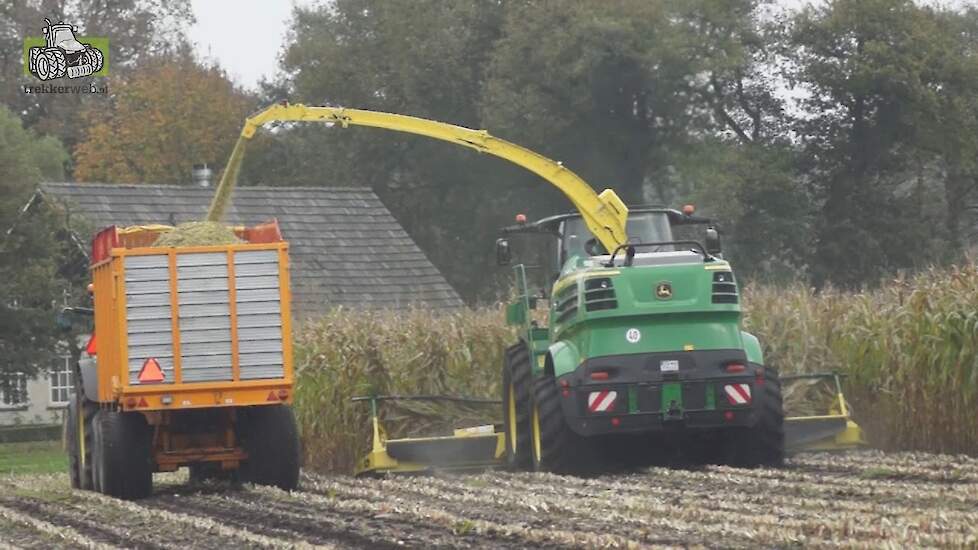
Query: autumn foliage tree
{"type": "Point", "coordinates": [165, 116]}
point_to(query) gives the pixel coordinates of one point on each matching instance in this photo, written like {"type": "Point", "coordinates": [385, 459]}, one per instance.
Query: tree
{"type": "Point", "coordinates": [166, 116]}
{"type": "Point", "coordinates": [873, 70]}
{"type": "Point", "coordinates": [38, 260]}
{"type": "Point", "coordinates": [425, 58]}
{"type": "Point", "coordinates": [137, 29]}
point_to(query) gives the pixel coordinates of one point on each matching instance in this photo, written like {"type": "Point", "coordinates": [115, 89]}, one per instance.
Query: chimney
{"type": "Point", "coordinates": [201, 175]}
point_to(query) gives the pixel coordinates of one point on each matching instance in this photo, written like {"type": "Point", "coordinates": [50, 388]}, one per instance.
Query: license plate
{"type": "Point", "coordinates": [669, 366]}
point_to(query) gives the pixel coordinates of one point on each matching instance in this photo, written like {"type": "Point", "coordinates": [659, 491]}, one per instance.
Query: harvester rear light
{"type": "Point", "coordinates": [616, 422]}
{"type": "Point", "coordinates": [599, 375]}
{"type": "Point", "coordinates": [167, 399]}
{"type": "Point", "coordinates": [283, 394]}
{"type": "Point", "coordinates": [130, 402]}
{"type": "Point", "coordinates": [735, 368]}
{"type": "Point", "coordinates": [728, 416]}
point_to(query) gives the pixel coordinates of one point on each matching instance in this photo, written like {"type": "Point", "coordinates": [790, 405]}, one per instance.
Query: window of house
{"type": "Point", "coordinates": [61, 382]}
{"type": "Point", "coordinates": [13, 390]}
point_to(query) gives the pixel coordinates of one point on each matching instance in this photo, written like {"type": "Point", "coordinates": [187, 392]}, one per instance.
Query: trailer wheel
{"type": "Point", "coordinates": [555, 448]}
{"type": "Point", "coordinates": [763, 444]}
{"type": "Point", "coordinates": [123, 455]}
{"type": "Point", "coordinates": [271, 439]}
{"type": "Point", "coordinates": [517, 384]}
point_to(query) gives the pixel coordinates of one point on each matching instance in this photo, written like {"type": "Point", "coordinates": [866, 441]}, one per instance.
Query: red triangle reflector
{"type": "Point", "coordinates": [151, 373]}
{"type": "Point", "coordinates": [142, 402]}
{"type": "Point", "coordinates": [272, 396]}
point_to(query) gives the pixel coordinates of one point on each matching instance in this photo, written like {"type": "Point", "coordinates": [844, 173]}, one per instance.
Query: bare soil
{"type": "Point", "coordinates": [865, 499]}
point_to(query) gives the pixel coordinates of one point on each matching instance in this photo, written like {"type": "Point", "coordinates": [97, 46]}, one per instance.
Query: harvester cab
{"type": "Point", "coordinates": [63, 55]}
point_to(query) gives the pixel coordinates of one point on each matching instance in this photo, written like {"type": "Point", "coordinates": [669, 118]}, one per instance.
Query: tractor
{"type": "Point", "coordinates": [641, 356]}
{"type": "Point", "coordinates": [63, 54]}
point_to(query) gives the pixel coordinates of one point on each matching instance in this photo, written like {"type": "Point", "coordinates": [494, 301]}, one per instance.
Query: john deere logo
{"type": "Point", "coordinates": [663, 290]}
{"type": "Point", "coordinates": [60, 53]}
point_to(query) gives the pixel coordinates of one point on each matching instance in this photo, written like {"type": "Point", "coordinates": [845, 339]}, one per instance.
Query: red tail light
{"type": "Point", "coordinates": [735, 368]}
{"type": "Point", "coordinates": [599, 375]}
{"type": "Point", "coordinates": [728, 415]}
{"type": "Point", "coordinates": [616, 422]}
{"type": "Point", "coordinates": [283, 394]}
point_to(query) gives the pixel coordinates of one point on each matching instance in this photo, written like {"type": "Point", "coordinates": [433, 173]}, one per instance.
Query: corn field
{"type": "Point", "coordinates": [909, 348]}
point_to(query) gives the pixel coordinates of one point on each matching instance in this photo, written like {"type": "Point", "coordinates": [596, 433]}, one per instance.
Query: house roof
{"type": "Point", "coordinates": [345, 246]}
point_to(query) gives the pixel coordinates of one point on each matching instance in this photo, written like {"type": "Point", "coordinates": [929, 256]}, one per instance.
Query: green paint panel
{"type": "Point", "coordinates": [672, 391]}
{"type": "Point", "coordinates": [632, 399]}
{"type": "Point", "coordinates": [711, 397]}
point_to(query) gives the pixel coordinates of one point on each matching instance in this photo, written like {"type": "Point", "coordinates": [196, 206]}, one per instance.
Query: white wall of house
{"type": "Point", "coordinates": [41, 400]}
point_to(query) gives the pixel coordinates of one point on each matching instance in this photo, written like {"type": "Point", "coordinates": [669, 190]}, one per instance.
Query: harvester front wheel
{"type": "Point", "coordinates": [555, 447]}
{"type": "Point", "coordinates": [763, 444]}
{"type": "Point", "coordinates": [517, 384]}
{"type": "Point", "coordinates": [123, 455]}
{"type": "Point", "coordinates": [271, 439]}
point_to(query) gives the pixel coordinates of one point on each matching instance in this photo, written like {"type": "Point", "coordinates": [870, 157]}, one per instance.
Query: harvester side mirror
{"type": "Point", "coordinates": [713, 241]}
{"type": "Point", "coordinates": [503, 253]}
{"type": "Point", "coordinates": [593, 247]}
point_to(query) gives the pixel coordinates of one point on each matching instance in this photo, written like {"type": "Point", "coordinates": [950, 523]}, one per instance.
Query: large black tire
{"type": "Point", "coordinates": [271, 439]}
{"type": "Point", "coordinates": [71, 443]}
{"type": "Point", "coordinates": [555, 448]}
{"type": "Point", "coordinates": [517, 405]}
{"type": "Point", "coordinates": [79, 438]}
{"type": "Point", "coordinates": [763, 444]}
{"type": "Point", "coordinates": [123, 455]}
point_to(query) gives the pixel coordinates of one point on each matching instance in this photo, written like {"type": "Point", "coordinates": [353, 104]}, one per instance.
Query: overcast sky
{"type": "Point", "coordinates": [246, 36]}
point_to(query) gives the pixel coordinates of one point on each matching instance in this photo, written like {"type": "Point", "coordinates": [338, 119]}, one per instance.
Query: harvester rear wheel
{"type": "Point", "coordinates": [271, 439]}
{"type": "Point", "coordinates": [763, 444]}
{"type": "Point", "coordinates": [123, 455]}
{"type": "Point", "coordinates": [517, 385]}
{"type": "Point", "coordinates": [555, 447]}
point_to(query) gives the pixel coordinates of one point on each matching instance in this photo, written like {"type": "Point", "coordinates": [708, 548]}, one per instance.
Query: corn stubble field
{"type": "Point", "coordinates": [910, 349]}
{"type": "Point", "coordinates": [865, 499]}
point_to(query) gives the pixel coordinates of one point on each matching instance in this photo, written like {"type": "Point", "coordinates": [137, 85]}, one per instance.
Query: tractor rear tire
{"type": "Point", "coordinates": [271, 439]}
{"type": "Point", "coordinates": [517, 406]}
{"type": "Point", "coordinates": [71, 443]}
{"type": "Point", "coordinates": [123, 455]}
{"type": "Point", "coordinates": [763, 444]}
{"type": "Point", "coordinates": [79, 437]}
{"type": "Point", "coordinates": [54, 62]}
{"type": "Point", "coordinates": [555, 447]}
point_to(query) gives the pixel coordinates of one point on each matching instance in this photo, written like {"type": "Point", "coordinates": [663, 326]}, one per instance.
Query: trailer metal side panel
{"type": "Point", "coordinates": [207, 315]}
